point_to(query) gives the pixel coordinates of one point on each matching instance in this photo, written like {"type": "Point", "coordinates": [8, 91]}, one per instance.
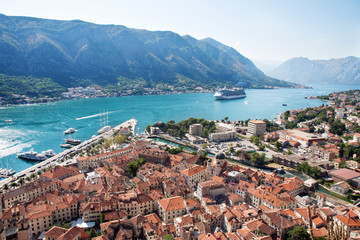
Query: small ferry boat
{"type": "Point", "coordinates": [6, 172]}
{"type": "Point", "coordinates": [31, 155]}
{"type": "Point", "coordinates": [49, 153]}
{"type": "Point", "coordinates": [284, 104]}
{"type": "Point", "coordinates": [73, 141]}
{"type": "Point", "coordinates": [70, 131]}
{"type": "Point", "coordinates": [66, 145]}
{"type": "Point", "coordinates": [8, 121]}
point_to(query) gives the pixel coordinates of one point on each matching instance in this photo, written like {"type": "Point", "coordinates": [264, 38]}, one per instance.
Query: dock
{"type": "Point", "coordinates": [75, 149]}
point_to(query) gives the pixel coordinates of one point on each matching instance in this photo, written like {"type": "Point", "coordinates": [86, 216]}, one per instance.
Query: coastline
{"type": "Point", "coordinates": [146, 94]}
{"type": "Point", "coordinates": [69, 99]}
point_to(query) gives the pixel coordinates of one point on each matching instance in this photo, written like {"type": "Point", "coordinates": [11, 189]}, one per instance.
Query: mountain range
{"type": "Point", "coordinates": [305, 71]}
{"type": "Point", "coordinates": [73, 53]}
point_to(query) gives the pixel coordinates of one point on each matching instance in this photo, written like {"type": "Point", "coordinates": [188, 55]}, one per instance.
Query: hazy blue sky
{"type": "Point", "coordinates": [260, 30]}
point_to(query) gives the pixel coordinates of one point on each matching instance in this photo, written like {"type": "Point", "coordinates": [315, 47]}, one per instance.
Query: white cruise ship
{"type": "Point", "coordinates": [226, 94]}
{"type": "Point", "coordinates": [31, 155]}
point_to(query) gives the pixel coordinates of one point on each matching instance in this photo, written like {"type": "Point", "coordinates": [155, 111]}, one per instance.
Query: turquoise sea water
{"type": "Point", "coordinates": [41, 126]}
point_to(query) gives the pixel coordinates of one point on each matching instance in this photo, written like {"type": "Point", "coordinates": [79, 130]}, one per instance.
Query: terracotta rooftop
{"type": "Point", "coordinates": [345, 174]}
{"type": "Point", "coordinates": [194, 170]}
{"type": "Point", "coordinates": [171, 204]}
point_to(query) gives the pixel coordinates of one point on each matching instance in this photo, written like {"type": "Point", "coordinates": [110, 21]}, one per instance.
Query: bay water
{"type": "Point", "coordinates": [41, 126]}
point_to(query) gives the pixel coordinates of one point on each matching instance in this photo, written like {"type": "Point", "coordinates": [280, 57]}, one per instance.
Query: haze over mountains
{"type": "Point", "coordinates": [306, 71]}
{"type": "Point", "coordinates": [74, 52]}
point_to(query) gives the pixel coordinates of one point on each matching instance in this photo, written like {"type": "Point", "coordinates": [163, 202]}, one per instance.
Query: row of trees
{"type": "Point", "coordinates": [309, 170]}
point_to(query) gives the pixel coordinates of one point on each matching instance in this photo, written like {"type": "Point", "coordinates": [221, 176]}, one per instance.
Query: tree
{"type": "Point", "coordinates": [102, 218]}
{"type": "Point", "coordinates": [257, 141]}
{"type": "Point", "coordinates": [314, 172]}
{"type": "Point", "coordinates": [205, 133]}
{"type": "Point", "coordinates": [5, 187]}
{"type": "Point", "coordinates": [278, 145]}
{"type": "Point", "coordinates": [341, 150]}
{"type": "Point", "coordinates": [174, 150]}
{"type": "Point", "coordinates": [32, 175]}
{"type": "Point", "coordinates": [21, 181]}
{"type": "Point", "coordinates": [298, 233]}
{"type": "Point", "coordinates": [257, 159]}
{"type": "Point", "coordinates": [348, 152]}
{"type": "Point", "coordinates": [65, 225]}
{"type": "Point", "coordinates": [107, 144]}
{"type": "Point", "coordinates": [134, 166]}
{"type": "Point", "coordinates": [92, 233]}
{"type": "Point", "coordinates": [169, 237]}
{"type": "Point", "coordinates": [312, 129]}
{"type": "Point", "coordinates": [119, 139]}
{"type": "Point", "coordinates": [231, 149]}
{"type": "Point", "coordinates": [288, 151]}
{"type": "Point", "coordinates": [337, 127]}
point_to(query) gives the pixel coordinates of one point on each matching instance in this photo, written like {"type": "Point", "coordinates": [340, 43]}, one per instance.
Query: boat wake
{"type": "Point", "coordinates": [92, 116]}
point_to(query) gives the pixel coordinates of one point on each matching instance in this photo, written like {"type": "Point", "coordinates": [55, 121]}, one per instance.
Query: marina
{"type": "Point", "coordinates": [54, 160]}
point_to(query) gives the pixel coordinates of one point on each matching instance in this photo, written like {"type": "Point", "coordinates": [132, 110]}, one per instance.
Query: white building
{"type": "Point", "coordinates": [196, 129]}
{"type": "Point", "coordinates": [222, 136]}
{"type": "Point", "coordinates": [256, 127]}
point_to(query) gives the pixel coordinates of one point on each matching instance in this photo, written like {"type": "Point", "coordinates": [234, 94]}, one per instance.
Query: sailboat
{"type": "Point", "coordinates": [6, 171]}
{"type": "Point", "coordinates": [104, 123]}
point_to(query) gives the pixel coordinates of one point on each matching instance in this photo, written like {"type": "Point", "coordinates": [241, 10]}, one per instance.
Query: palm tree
{"type": "Point", "coordinates": [21, 181]}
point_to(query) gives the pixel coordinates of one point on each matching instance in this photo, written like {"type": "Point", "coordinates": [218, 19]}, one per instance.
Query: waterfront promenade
{"type": "Point", "coordinates": [57, 158]}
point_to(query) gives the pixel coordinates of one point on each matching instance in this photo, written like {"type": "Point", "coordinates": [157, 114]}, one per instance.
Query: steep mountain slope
{"type": "Point", "coordinates": [75, 52]}
{"type": "Point", "coordinates": [305, 71]}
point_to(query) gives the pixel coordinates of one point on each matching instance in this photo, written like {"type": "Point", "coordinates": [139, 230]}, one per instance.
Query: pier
{"type": "Point", "coordinates": [75, 149]}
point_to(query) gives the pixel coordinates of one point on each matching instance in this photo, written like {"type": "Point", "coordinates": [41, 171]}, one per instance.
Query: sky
{"type": "Point", "coordinates": [266, 31]}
